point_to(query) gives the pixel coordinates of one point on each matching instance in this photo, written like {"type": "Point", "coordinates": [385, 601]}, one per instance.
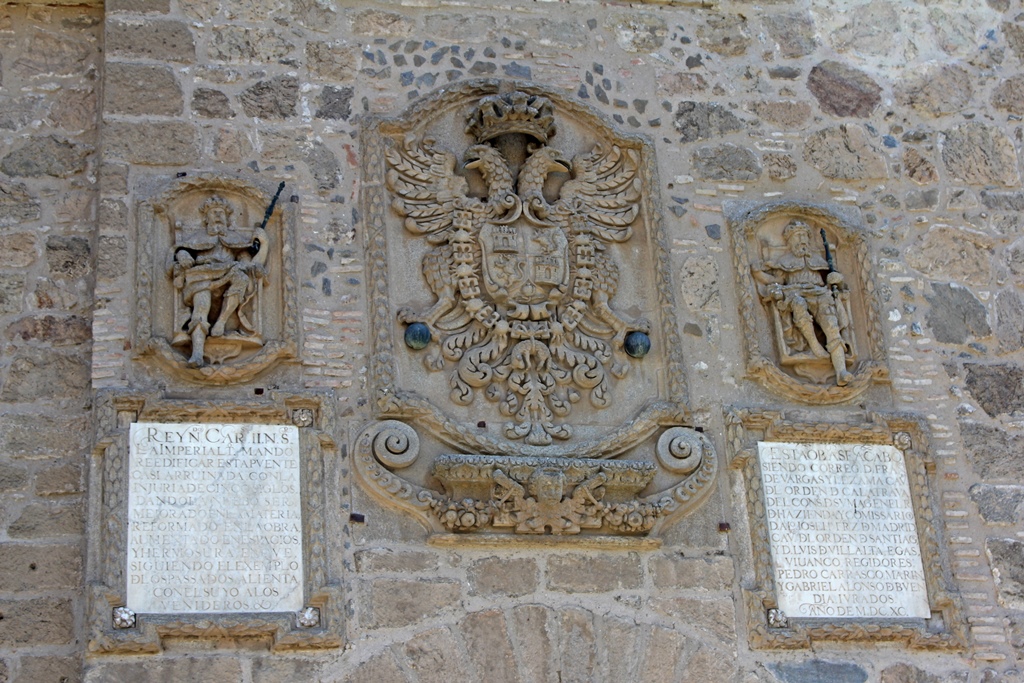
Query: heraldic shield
{"type": "Point", "coordinates": [527, 375]}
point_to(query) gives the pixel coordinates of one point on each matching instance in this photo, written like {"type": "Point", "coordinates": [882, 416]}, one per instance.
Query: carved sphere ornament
{"type": "Point", "coordinates": [637, 344]}
{"type": "Point", "coordinates": [397, 445]}
{"type": "Point", "coordinates": [417, 336]}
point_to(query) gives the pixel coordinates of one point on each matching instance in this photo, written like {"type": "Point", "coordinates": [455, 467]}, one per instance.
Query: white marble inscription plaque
{"type": "Point", "coordinates": [842, 530]}
{"type": "Point", "coordinates": [214, 518]}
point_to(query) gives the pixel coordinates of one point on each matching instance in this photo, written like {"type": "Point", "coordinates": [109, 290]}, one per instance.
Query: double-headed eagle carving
{"type": "Point", "coordinates": [520, 262]}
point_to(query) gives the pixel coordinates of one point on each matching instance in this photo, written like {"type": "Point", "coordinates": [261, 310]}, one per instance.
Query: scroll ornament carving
{"type": "Point", "coordinates": [523, 277]}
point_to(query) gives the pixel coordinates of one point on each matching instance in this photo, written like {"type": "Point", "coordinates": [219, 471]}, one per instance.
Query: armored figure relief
{"type": "Point", "coordinates": [217, 274]}
{"type": "Point", "coordinates": [522, 270]}
{"type": "Point", "coordinates": [809, 304]}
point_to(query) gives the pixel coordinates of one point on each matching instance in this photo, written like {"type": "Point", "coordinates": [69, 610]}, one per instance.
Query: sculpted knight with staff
{"type": "Point", "coordinates": [811, 302]}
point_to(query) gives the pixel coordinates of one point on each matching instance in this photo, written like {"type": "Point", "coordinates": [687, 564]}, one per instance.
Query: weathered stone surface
{"type": "Point", "coordinates": [384, 560]}
{"type": "Point", "coordinates": [332, 61]}
{"type": "Point", "coordinates": [568, 34]}
{"type": "Point", "coordinates": [1007, 558]}
{"type": "Point", "coordinates": [906, 673]}
{"type": "Point", "coordinates": [782, 113]}
{"type": "Point", "coordinates": [139, 6]}
{"type": "Point", "coordinates": [979, 154]}
{"type": "Point", "coordinates": [814, 670]}
{"type": "Point", "coordinates": [74, 110]}
{"type": "Point", "coordinates": [1014, 35]}
{"type": "Point", "coordinates": [710, 664]}
{"type": "Point", "coordinates": [274, 98]}
{"type": "Point", "coordinates": [60, 480]}
{"type": "Point", "coordinates": [725, 34]}
{"type": "Point", "coordinates": [674, 83]}
{"type": "Point", "coordinates": [245, 45]}
{"type": "Point", "coordinates": [921, 200]}
{"type": "Point", "coordinates": [1009, 321]}
{"type": "Point", "coordinates": [677, 572]}
{"type": "Point", "coordinates": [461, 27]}
{"type": "Point", "coordinates": [16, 204]}
{"type": "Point", "coordinates": [936, 90]}
{"type": "Point", "coordinates": [779, 166]}
{"type": "Point", "coordinates": [713, 616]}
{"type": "Point", "coordinates": [435, 657]}
{"type": "Point", "coordinates": [160, 39]}
{"type": "Point", "coordinates": [113, 215]}
{"type": "Point", "coordinates": [53, 54]}
{"type": "Point", "coordinates": [335, 103]}
{"type": "Point", "coordinates": [37, 373]}
{"type": "Point", "coordinates": [726, 162]}
{"type": "Point", "coordinates": [622, 649]}
{"type": "Point", "coordinates": [273, 669]}
{"type": "Point", "coordinates": [1009, 95]}
{"type": "Point", "coordinates": [34, 435]}
{"type": "Point", "coordinates": [211, 104]}
{"type": "Point", "coordinates": [534, 630]}
{"type": "Point", "coordinates": [111, 255]}
{"type": "Point", "coordinates": [1002, 505]}
{"type": "Point", "coordinates": [699, 280]}
{"type": "Point", "coordinates": [956, 315]}
{"type": "Point", "coordinates": [950, 253]}
{"type": "Point", "coordinates": [704, 120]}
{"type": "Point", "coordinates": [574, 573]}
{"type": "Point", "coordinates": [381, 667]}
{"type": "Point", "coordinates": [322, 164]}
{"type": "Point", "coordinates": [46, 156]}
{"type": "Point", "coordinates": [169, 669]}
{"type": "Point", "coordinates": [844, 153]}
{"type": "Point", "coordinates": [45, 521]}
{"type": "Point", "coordinates": [68, 256]}
{"type": "Point", "coordinates": [12, 293]}
{"type": "Point", "coordinates": [230, 145]}
{"type": "Point", "coordinates": [50, 329]}
{"type": "Point", "coordinates": [152, 143]}
{"type": "Point", "coordinates": [392, 603]}
{"type": "Point", "coordinates": [998, 389]}
{"type": "Point", "coordinates": [40, 567]}
{"type": "Point", "coordinates": [379, 23]}
{"type": "Point", "coordinates": [794, 33]}
{"type": "Point", "coordinates": [919, 168]}
{"type": "Point", "coordinates": [42, 621]}
{"type": "Point", "coordinates": [496, 576]}
{"type": "Point", "coordinates": [638, 31]}
{"type": "Point", "coordinates": [488, 646]}
{"type": "Point", "coordinates": [843, 90]}
{"type": "Point", "coordinates": [993, 453]}
{"type": "Point", "coordinates": [139, 89]}
{"type": "Point", "coordinates": [46, 669]}
{"type": "Point", "coordinates": [16, 113]}
{"type": "Point", "coordinates": [578, 660]}
{"type": "Point", "coordinates": [12, 477]}
{"type": "Point", "coordinates": [19, 249]}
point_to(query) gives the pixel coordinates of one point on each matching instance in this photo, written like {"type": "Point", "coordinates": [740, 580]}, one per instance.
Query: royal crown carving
{"type": "Point", "coordinates": [536, 330]}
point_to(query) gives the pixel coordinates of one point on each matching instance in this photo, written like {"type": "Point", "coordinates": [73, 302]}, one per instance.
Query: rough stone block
{"type": "Point", "coordinates": [1007, 558]}
{"type": "Point", "coordinates": [45, 521]}
{"type": "Point", "coordinates": [62, 331]}
{"type": "Point", "coordinates": [713, 616]}
{"type": "Point", "coordinates": [726, 162]}
{"type": "Point", "coordinates": [152, 143]}
{"type": "Point", "coordinates": [60, 480]}
{"type": "Point", "coordinates": [565, 34]}
{"type": "Point", "coordinates": [993, 453]}
{"type": "Point", "coordinates": [111, 256]}
{"type": "Point", "coordinates": [435, 657]}
{"type": "Point", "coordinates": [19, 249]}
{"type": "Point", "coordinates": [638, 31]}
{"type": "Point", "coordinates": [247, 45]}
{"type": "Point", "coordinates": [818, 670]}
{"type": "Point", "coordinates": [907, 673]}
{"type": "Point", "coordinates": [12, 293]}
{"type": "Point", "coordinates": [779, 166]}
{"type": "Point", "coordinates": [709, 664]}
{"type": "Point", "coordinates": [953, 254]}
{"type": "Point", "coordinates": [844, 153]}
{"type": "Point", "coordinates": [1009, 321]}
{"type": "Point", "coordinates": [725, 34]}
{"type": "Point", "coordinates": [937, 90]}
{"type": "Point", "coordinates": [46, 155]}
{"type": "Point", "coordinates": [783, 113]}
{"type": "Point", "coordinates": [275, 669]}
{"type": "Point", "coordinates": [211, 104]}
{"type": "Point", "coordinates": [578, 646]}
{"type": "Point", "coordinates": [919, 168]}
{"type": "Point", "coordinates": [461, 27]}
{"type": "Point", "coordinates": [331, 61]}
{"type": "Point", "coordinates": [68, 256]}
{"type": "Point", "coordinates": [662, 654]}
{"type": "Point", "coordinates": [956, 315]}
{"type": "Point", "coordinates": [704, 120]}
{"type": "Point", "coordinates": [377, 669]}
{"type": "Point", "coordinates": [488, 646]}
{"type": "Point", "coordinates": [114, 177]}
{"type": "Point", "coordinates": [43, 436]}
{"type": "Point", "coordinates": [793, 32]}
{"type": "Point", "coordinates": [42, 621]}
{"type": "Point", "coordinates": [392, 603]}
{"type": "Point", "coordinates": [496, 576]}
{"type": "Point", "coordinates": [335, 103]}
{"type": "Point", "coordinates": [12, 477]}
{"type": "Point", "coordinates": [323, 164]}
{"type": "Point", "coordinates": [979, 154]}
{"type": "Point", "coordinates": [138, 6]}
{"type": "Point", "coordinates": [621, 653]}
{"type": "Point", "coordinates": [594, 573]}
{"type": "Point", "coordinates": [141, 89]}
{"type": "Point", "coordinates": [38, 567]}
{"type": "Point", "coordinates": [380, 23]}
{"type": "Point", "coordinates": [160, 39]}
{"type": "Point", "coordinates": [535, 631]}
{"type": "Point", "coordinates": [49, 670]}
{"type": "Point", "coordinates": [189, 668]}
{"type": "Point", "coordinates": [17, 205]}
{"type": "Point", "coordinates": [53, 53]}
{"type": "Point", "coordinates": [274, 98]}
{"type": "Point", "coordinates": [39, 373]}
{"type": "Point", "coordinates": [998, 389]}
{"type": "Point", "coordinates": [385, 560]}
{"type": "Point", "coordinates": [675, 572]}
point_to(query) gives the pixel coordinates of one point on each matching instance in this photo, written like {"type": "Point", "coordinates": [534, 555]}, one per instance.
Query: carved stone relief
{"type": "Point", "coordinates": [535, 339]}
{"type": "Point", "coordinates": [215, 280]}
{"type": "Point", "coordinates": [767, 625]}
{"type": "Point", "coordinates": [117, 629]}
{"type": "Point", "coordinates": [806, 297]}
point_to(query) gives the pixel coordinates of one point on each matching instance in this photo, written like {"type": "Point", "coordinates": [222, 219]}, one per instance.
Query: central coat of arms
{"type": "Point", "coordinates": [523, 276]}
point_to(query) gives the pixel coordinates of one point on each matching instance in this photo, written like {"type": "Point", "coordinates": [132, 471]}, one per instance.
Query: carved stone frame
{"type": "Point", "coordinates": [842, 226]}
{"type": "Point", "coordinates": [108, 525]}
{"type": "Point", "coordinates": [389, 401]}
{"type": "Point", "coordinates": [767, 627]}
{"type": "Point", "coordinates": [150, 287]}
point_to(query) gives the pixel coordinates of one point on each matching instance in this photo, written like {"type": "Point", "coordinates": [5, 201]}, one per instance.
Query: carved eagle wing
{"type": "Point", "coordinates": [605, 190]}
{"type": "Point", "coordinates": [426, 187]}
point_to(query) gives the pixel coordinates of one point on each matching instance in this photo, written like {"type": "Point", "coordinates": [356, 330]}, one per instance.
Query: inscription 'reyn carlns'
{"type": "Point", "coordinates": [843, 533]}
{"type": "Point", "coordinates": [214, 518]}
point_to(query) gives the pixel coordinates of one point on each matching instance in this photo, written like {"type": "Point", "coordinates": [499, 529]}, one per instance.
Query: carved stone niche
{"type": "Point", "coordinates": [525, 365]}
{"type": "Point", "coordinates": [855, 503]}
{"type": "Point", "coordinates": [807, 300]}
{"type": "Point", "coordinates": [187, 574]}
{"type": "Point", "coordinates": [216, 287]}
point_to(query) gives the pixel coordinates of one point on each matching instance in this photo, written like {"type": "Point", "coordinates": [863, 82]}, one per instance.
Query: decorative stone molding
{"type": "Point", "coordinates": [807, 300]}
{"type": "Point", "coordinates": [215, 287]}
{"type": "Point", "coordinates": [115, 629]}
{"type": "Point", "coordinates": [767, 626]}
{"type": "Point", "coordinates": [540, 327]}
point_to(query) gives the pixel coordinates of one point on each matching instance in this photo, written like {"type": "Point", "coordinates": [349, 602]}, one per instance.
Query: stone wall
{"type": "Point", "coordinates": [908, 112]}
